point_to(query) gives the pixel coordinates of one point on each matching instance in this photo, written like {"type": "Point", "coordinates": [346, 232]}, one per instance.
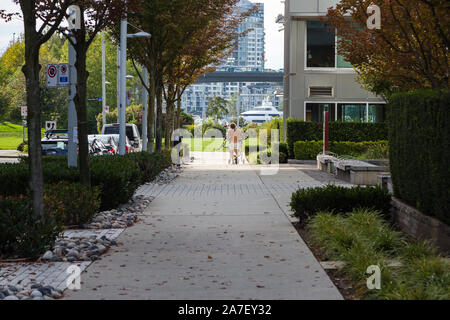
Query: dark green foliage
{"type": "Point", "coordinates": [308, 202]}
{"type": "Point", "coordinates": [299, 130]}
{"type": "Point", "coordinates": [419, 137]}
{"type": "Point", "coordinates": [283, 157]}
{"type": "Point", "coordinates": [308, 150]}
{"type": "Point", "coordinates": [23, 234]}
{"type": "Point", "coordinates": [71, 204]}
{"type": "Point", "coordinates": [283, 148]}
{"type": "Point", "coordinates": [118, 177]}
{"type": "Point", "coordinates": [151, 164]}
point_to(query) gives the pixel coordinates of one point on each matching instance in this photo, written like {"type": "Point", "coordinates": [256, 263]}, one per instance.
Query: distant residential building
{"type": "Point", "coordinates": [249, 56]}
{"type": "Point", "coordinates": [317, 77]}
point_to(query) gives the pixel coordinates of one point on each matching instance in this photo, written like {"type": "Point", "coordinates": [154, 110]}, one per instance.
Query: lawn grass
{"type": "Point", "coordinates": [363, 238]}
{"type": "Point", "coordinates": [10, 136]}
{"type": "Point", "coordinates": [212, 145]}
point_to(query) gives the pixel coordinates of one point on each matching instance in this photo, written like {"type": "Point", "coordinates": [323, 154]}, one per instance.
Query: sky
{"type": "Point", "coordinates": [274, 38]}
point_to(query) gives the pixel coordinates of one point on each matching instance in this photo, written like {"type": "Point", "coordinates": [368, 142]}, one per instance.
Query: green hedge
{"type": "Point", "coordinates": [299, 130]}
{"type": "Point", "coordinates": [151, 164]}
{"type": "Point", "coordinates": [71, 204]}
{"type": "Point", "coordinates": [23, 234]}
{"type": "Point", "coordinates": [117, 177]}
{"type": "Point", "coordinates": [305, 203]}
{"type": "Point", "coordinates": [308, 150]}
{"type": "Point", "coordinates": [419, 136]}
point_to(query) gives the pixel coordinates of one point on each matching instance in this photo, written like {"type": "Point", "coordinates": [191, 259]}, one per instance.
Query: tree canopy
{"type": "Point", "coordinates": [410, 51]}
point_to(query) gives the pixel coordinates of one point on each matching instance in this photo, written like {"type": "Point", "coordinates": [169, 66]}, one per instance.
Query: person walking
{"type": "Point", "coordinates": [234, 136]}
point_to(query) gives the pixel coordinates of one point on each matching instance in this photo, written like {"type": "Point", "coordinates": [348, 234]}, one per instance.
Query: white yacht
{"type": "Point", "coordinates": [263, 113]}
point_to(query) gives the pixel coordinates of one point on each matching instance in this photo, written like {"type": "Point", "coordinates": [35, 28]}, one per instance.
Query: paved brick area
{"type": "Point", "coordinates": [216, 232]}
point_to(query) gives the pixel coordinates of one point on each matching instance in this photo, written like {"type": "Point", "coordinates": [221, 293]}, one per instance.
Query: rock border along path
{"type": "Point", "coordinates": [47, 278]}
{"type": "Point", "coordinates": [216, 232]}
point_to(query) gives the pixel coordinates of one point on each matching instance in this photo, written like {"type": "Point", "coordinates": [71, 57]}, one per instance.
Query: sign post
{"type": "Point", "coordinates": [72, 116]}
{"type": "Point", "coordinates": [63, 75]}
{"type": "Point", "coordinates": [24, 113]}
{"type": "Point", "coordinates": [52, 75]}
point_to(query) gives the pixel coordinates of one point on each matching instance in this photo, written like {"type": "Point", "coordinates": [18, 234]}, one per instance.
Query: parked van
{"type": "Point", "coordinates": [132, 133]}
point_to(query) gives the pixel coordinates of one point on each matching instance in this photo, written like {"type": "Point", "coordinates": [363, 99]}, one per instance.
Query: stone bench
{"type": "Point", "coordinates": [353, 171]}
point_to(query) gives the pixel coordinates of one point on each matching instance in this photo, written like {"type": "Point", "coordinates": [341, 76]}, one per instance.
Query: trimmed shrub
{"type": "Point", "coordinates": [117, 176]}
{"type": "Point", "coordinates": [151, 164]}
{"type": "Point", "coordinates": [307, 202]}
{"type": "Point", "coordinates": [308, 150]}
{"type": "Point", "coordinates": [24, 234]}
{"type": "Point", "coordinates": [71, 204]}
{"type": "Point", "coordinates": [299, 130]}
{"type": "Point", "coordinates": [283, 148]}
{"type": "Point", "coordinates": [419, 137]}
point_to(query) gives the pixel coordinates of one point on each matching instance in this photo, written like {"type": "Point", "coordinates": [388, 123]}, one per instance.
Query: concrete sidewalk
{"type": "Point", "coordinates": [216, 232]}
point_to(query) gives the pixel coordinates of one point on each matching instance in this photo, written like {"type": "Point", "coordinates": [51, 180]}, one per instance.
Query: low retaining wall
{"type": "Point", "coordinates": [420, 226]}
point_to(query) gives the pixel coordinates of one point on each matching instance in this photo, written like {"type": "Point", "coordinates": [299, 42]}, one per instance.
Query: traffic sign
{"type": "Point", "coordinates": [50, 125]}
{"type": "Point", "coordinates": [24, 111]}
{"type": "Point", "coordinates": [63, 77]}
{"type": "Point", "coordinates": [52, 76]}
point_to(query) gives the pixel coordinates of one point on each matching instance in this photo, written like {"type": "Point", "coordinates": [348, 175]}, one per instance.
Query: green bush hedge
{"type": "Point", "coordinates": [71, 204]}
{"type": "Point", "coordinates": [308, 150]}
{"type": "Point", "coordinates": [24, 234]}
{"type": "Point", "coordinates": [299, 130]}
{"type": "Point", "coordinates": [308, 202]}
{"type": "Point", "coordinates": [419, 137]}
{"type": "Point", "coordinates": [117, 177]}
{"type": "Point", "coordinates": [151, 164]}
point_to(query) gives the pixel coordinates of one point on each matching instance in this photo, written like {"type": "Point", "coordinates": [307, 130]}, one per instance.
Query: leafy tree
{"type": "Point", "coordinates": [96, 15]}
{"type": "Point", "coordinates": [410, 51]}
{"type": "Point", "coordinates": [188, 38]}
{"type": "Point", "coordinates": [13, 85]}
{"type": "Point", "coordinates": [217, 108]}
{"type": "Point", "coordinates": [51, 13]}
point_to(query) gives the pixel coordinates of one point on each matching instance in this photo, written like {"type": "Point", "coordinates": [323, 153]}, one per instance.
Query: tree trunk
{"type": "Point", "coordinates": [169, 116]}
{"type": "Point", "coordinates": [159, 88]}
{"type": "Point", "coordinates": [81, 106]}
{"type": "Point", "coordinates": [151, 113]}
{"type": "Point", "coordinates": [31, 71]}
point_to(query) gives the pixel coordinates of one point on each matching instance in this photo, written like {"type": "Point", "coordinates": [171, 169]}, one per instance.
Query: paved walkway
{"type": "Point", "coordinates": [10, 156]}
{"type": "Point", "coordinates": [216, 232]}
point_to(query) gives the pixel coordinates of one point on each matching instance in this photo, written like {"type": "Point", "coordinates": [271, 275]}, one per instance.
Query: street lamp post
{"type": "Point", "coordinates": [103, 79]}
{"type": "Point", "coordinates": [144, 110]}
{"type": "Point", "coordinates": [123, 95]}
{"type": "Point", "coordinates": [123, 75]}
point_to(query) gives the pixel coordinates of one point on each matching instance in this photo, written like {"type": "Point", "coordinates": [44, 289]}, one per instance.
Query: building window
{"type": "Point", "coordinates": [352, 112]}
{"type": "Point", "coordinates": [341, 63]}
{"type": "Point", "coordinates": [315, 111]}
{"type": "Point", "coordinates": [320, 46]}
{"type": "Point", "coordinates": [377, 113]}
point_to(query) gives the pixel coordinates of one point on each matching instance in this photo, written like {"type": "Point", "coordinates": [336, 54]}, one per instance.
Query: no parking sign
{"type": "Point", "coordinates": [63, 76]}
{"type": "Point", "coordinates": [52, 76]}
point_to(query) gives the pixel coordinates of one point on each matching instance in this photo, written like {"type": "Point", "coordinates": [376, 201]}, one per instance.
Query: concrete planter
{"type": "Point", "coordinates": [420, 226]}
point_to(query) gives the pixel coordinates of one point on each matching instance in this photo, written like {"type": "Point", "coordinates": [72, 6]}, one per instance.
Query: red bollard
{"type": "Point", "coordinates": [326, 124]}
